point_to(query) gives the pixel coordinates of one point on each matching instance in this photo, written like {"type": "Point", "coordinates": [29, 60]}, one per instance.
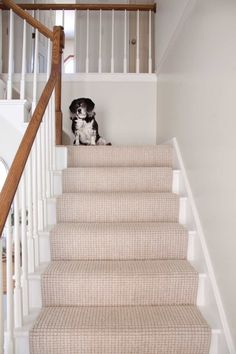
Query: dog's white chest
{"type": "Point", "coordinates": [85, 131]}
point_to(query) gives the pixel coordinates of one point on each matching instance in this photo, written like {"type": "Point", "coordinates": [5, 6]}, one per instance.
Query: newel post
{"type": "Point", "coordinates": [57, 49]}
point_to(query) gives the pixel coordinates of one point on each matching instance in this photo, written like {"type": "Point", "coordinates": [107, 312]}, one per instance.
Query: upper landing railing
{"type": "Point", "coordinates": [100, 38]}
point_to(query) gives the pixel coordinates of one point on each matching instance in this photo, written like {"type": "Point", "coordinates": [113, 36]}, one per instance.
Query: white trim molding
{"type": "Point", "coordinates": [94, 77]}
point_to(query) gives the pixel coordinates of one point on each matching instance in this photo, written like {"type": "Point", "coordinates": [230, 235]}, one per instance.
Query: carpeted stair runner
{"type": "Point", "coordinates": [119, 281]}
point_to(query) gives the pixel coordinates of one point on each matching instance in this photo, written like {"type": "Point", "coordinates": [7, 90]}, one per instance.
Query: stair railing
{"type": "Point", "coordinates": [29, 182]}
{"type": "Point", "coordinates": [100, 46]}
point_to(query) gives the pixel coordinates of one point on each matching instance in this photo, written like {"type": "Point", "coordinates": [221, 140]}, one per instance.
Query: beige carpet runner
{"type": "Point", "coordinates": [119, 281]}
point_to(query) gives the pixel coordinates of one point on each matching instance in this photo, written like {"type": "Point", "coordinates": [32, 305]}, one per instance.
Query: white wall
{"type": "Point", "coordinates": [196, 103]}
{"type": "Point", "coordinates": [125, 110]}
{"type": "Point", "coordinates": [125, 105]}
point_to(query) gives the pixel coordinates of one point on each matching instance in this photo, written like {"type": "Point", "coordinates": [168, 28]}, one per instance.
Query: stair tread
{"type": "Point", "coordinates": [171, 268]}
{"type": "Point", "coordinates": [76, 179]}
{"type": "Point", "coordinates": [148, 155]}
{"type": "Point", "coordinates": [120, 330]}
{"type": "Point", "coordinates": [123, 227]}
{"type": "Point", "coordinates": [117, 207]}
{"type": "Point", "coordinates": [126, 282]}
{"type": "Point", "coordinates": [117, 318]}
{"type": "Point", "coordinates": [129, 240]}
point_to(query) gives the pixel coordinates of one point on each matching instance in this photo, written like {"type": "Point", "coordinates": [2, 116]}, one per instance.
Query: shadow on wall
{"type": "Point", "coordinates": [66, 140]}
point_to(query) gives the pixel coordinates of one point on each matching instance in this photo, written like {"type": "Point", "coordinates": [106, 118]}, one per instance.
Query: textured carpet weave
{"type": "Point", "coordinates": [120, 330]}
{"type": "Point", "coordinates": [99, 283]}
{"type": "Point", "coordinates": [119, 281]}
{"type": "Point", "coordinates": [117, 179]}
{"type": "Point", "coordinates": [146, 240]}
{"type": "Point", "coordinates": [120, 156]}
{"type": "Point", "coordinates": [117, 207]}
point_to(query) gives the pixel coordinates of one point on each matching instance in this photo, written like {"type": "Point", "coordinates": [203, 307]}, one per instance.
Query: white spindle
{"type": "Point", "coordinates": [112, 40]}
{"type": "Point", "coordinates": [24, 245]}
{"type": "Point", "coordinates": [44, 168]}
{"type": "Point", "coordinates": [63, 24]}
{"type": "Point", "coordinates": [17, 264]}
{"type": "Point", "coordinates": [100, 43]}
{"type": "Point", "coordinates": [1, 304]}
{"type": "Point", "coordinates": [53, 134]}
{"type": "Point", "coordinates": [35, 202]}
{"type": "Point", "coordinates": [47, 128]}
{"type": "Point", "coordinates": [87, 45]}
{"type": "Point", "coordinates": [39, 143]}
{"type": "Point", "coordinates": [31, 252]}
{"type": "Point", "coordinates": [125, 41]}
{"type": "Point", "coordinates": [76, 61]}
{"type": "Point", "coordinates": [150, 43]}
{"type": "Point", "coordinates": [10, 313]}
{"type": "Point", "coordinates": [23, 64]}
{"type": "Point", "coordinates": [137, 46]}
{"type": "Point", "coordinates": [0, 44]}
{"type": "Point", "coordinates": [34, 102]}
{"type": "Point", "coordinates": [10, 55]}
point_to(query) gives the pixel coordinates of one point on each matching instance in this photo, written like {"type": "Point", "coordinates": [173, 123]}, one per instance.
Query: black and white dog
{"type": "Point", "coordinates": [84, 124]}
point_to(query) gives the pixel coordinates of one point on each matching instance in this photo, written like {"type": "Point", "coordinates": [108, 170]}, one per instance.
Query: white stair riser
{"type": "Point", "coordinates": [44, 247]}
{"type": "Point", "coordinates": [35, 296]}
{"type": "Point", "coordinates": [22, 344]}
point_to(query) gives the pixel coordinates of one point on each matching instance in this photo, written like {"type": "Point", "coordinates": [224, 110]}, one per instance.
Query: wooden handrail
{"type": "Point", "coordinates": [13, 178]}
{"type": "Point", "coordinates": [9, 4]}
{"type": "Point", "coordinates": [92, 7]}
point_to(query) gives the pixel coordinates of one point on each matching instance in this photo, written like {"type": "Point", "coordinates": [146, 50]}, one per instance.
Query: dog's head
{"type": "Point", "coordinates": [82, 107]}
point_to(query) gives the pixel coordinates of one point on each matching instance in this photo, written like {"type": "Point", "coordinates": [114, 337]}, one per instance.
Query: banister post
{"type": "Point", "coordinates": [57, 50]}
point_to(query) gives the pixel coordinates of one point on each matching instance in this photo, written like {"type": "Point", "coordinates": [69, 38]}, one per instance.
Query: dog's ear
{"type": "Point", "coordinates": [73, 106]}
{"type": "Point", "coordinates": [90, 104]}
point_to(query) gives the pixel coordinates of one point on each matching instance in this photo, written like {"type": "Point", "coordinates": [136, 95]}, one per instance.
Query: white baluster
{"type": "Point", "coordinates": [10, 312]}
{"type": "Point", "coordinates": [100, 43]}
{"type": "Point", "coordinates": [35, 201]}
{"type": "Point", "coordinates": [44, 176]}
{"type": "Point", "coordinates": [24, 245]}
{"type": "Point", "coordinates": [10, 55]}
{"type": "Point", "coordinates": [39, 142]}
{"type": "Point", "coordinates": [150, 43]}
{"type": "Point", "coordinates": [23, 64]}
{"type": "Point", "coordinates": [53, 135]}
{"type": "Point", "coordinates": [112, 40]}
{"type": "Point", "coordinates": [87, 44]}
{"type": "Point", "coordinates": [40, 210]}
{"type": "Point", "coordinates": [50, 143]}
{"type": "Point", "coordinates": [1, 304]}
{"type": "Point", "coordinates": [51, 19]}
{"type": "Point", "coordinates": [125, 42]}
{"type": "Point", "coordinates": [76, 60]}
{"type": "Point", "coordinates": [17, 264]}
{"type": "Point", "coordinates": [0, 44]}
{"type": "Point", "coordinates": [63, 24]}
{"type": "Point", "coordinates": [47, 129]}
{"type": "Point", "coordinates": [31, 252]}
{"type": "Point", "coordinates": [34, 102]}
{"type": "Point", "coordinates": [137, 47]}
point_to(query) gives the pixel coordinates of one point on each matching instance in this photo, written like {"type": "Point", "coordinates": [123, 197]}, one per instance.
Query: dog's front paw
{"type": "Point", "coordinates": [76, 142]}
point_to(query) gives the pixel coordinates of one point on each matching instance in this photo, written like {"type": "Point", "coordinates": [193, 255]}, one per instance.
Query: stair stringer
{"type": "Point", "coordinates": [209, 300]}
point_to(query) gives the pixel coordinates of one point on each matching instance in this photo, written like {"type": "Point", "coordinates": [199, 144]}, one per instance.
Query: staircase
{"type": "Point", "coordinates": [119, 281]}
